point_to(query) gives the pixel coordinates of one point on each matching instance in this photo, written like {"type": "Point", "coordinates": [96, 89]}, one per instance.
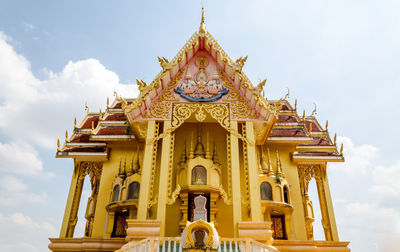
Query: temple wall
{"type": "Point", "coordinates": [291, 174]}
{"type": "Point", "coordinates": [109, 172]}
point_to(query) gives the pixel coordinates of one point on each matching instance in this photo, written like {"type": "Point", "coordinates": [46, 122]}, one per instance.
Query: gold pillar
{"type": "Point", "coordinates": [325, 201]}
{"type": "Point", "coordinates": [318, 172]}
{"type": "Point", "coordinates": [70, 199]}
{"type": "Point", "coordinates": [235, 167]}
{"type": "Point", "coordinates": [305, 175]}
{"type": "Point", "coordinates": [164, 167]}
{"type": "Point", "coordinates": [254, 190]}
{"type": "Point", "coordinates": [74, 198]}
{"type": "Point", "coordinates": [331, 213]}
{"type": "Point", "coordinates": [94, 171]}
{"type": "Point", "coordinates": [146, 171]}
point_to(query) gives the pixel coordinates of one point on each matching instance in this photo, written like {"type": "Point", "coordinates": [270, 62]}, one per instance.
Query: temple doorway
{"type": "Point", "coordinates": [278, 227]}
{"type": "Point", "coordinates": [191, 205]}
{"type": "Point", "coordinates": [120, 225]}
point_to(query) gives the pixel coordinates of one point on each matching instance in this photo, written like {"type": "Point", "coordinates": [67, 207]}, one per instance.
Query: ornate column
{"type": "Point", "coordinates": [74, 196]}
{"type": "Point", "coordinates": [234, 165]}
{"type": "Point", "coordinates": [94, 171]}
{"type": "Point", "coordinates": [331, 214]}
{"type": "Point", "coordinates": [254, 190]}
{"type": "Point", "coordinates": [146, 171]}
{"type": "Point", "coordinates": [320, 177]}
{"type": "Point", "coordinates": [306, 173]}
{"type": "Point", "coordinates": [164, 176]}
{"type": "Point", "coordinates": [141, 227]}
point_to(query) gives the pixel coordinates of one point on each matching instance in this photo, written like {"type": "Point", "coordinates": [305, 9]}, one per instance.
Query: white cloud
{"type": "Point", "coordinates": [358, 159]}
{"type": "Point", "coordinates": [19, 158]}
{"type": "Point", "coordinates": [367, 210]}
{"type": "Point", "coordinates": [386, 182]}
{"type": "Point", "coordinates": [37, 111]}
{"type": "Point", "coordinates": [371, 227]}
{"type": "Point", "coordinates": [20, 233]}
{"type": "Point", "coordinates": [14, 191]}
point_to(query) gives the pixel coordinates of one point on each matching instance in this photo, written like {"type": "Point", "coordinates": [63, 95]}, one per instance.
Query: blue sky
{"type": "Point", "coordinates": [342, 55]}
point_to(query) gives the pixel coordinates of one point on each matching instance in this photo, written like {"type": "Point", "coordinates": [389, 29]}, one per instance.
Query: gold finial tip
{"type": "Point", "coordinates": [202, 29]}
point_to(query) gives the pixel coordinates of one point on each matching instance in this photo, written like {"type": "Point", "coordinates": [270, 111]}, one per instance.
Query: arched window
{"type": "Point", "coordinates": [265, 191]}
{"type": "Point", "coordinates": [199, 175]}
{"type": "Point", "coordinates": [286, 194]}
{"type": "Point", "coordinates": [116, 193]}
{"type": "Point", "coordinates": [133, 190]}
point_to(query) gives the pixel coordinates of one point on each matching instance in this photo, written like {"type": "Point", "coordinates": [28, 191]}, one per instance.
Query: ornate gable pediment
{"type": "Point", "coordinates": [201, 73]}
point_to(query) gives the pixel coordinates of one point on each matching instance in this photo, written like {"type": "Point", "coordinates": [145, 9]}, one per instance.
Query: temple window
{"type": "Point", "coordinates": [286, 194]}
{"type": "Point", "coordinates": [133, 190]}
{"type": "Point", "coordinates": [116, 193]}
{"type": "Point", "coordinates": [199, 175]}
{"type": "Point", "coordinates": [266, 191]}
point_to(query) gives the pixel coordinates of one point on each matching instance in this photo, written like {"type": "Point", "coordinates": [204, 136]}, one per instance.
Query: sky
{"type": "Point", "coordinates": [343, 56]}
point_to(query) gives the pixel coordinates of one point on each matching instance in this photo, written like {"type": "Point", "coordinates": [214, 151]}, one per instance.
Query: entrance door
{"type": "Point", "coordinates": [191, 205]}
{"type": "Point", "coordinates": [120, 224]}
{"type": "Point", "coordinates": [278, 227]}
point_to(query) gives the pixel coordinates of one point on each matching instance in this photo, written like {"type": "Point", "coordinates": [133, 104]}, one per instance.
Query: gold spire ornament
{"type": "Point", "coordinates": [183, 155]}
{"type": "Point", "coordinates": [100, 114]}
{"type": "Point", "coordinates": [74, 122]}
{"type": "Point", "coordinates": [215, 158]}
{"type": "Point", "coordinates": [58, 145]}
{"type": "Point", "coordinates": [334, 140]}
{"type": "Point", "coordinates": [314, 112]}
{"type": "Point", "coordinates": [295, 105]}
{"type": "Point", "coordinates": [341, 150]}
{"type": "Point", "coordinates": [326, 125]}
{"type": "Point", "coordinates": [270, 170]}
{"type": "Point", "coordinates": [191, 150]}
{"type": "Point", "coordinates": [66, 136]}
{"type": "Point", "coordinates": [303, 118]}
{"type": "Point", "coordinates": [202, 29]}
{"type": "Point", "coordinates": [87, 107]}
{"type": "Point", "coordinates": [287, 95]}
{"type": "Point", "coordinates": [108, 102]}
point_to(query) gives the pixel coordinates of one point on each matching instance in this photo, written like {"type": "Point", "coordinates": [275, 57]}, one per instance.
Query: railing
{"type": "Point", "coordinates": [172, 244]}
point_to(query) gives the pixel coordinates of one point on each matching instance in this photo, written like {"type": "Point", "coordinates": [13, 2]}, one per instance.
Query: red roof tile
{"type": "Point", "coordinates": [319, 141]}
{"type": "Point", "coordinates": [116, 117]}
{"type": "Point", "coordinates": [113, 130]}
{"type": "Point", "coordinates": [286, 119]}
{"type": "Point", "coordinates": [288, 133]}
{"type": "Point", "coordinates": [88, 122]}
{"type": "Point", "coordinates": [314, 126]}
{"type": "Point", "coordinates": [80, 138]}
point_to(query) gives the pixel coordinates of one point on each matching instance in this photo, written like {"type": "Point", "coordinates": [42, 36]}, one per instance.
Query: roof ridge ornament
{"type": "Point", "coordinates": [202, 29]}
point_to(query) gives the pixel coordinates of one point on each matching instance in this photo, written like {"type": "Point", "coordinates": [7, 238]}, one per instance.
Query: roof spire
{"type": "Point", "coordinates": [202, 29]}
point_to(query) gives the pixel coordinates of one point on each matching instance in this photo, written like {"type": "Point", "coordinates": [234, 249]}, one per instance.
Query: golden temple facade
{"type": "Point", "coordinates": [200, 160]}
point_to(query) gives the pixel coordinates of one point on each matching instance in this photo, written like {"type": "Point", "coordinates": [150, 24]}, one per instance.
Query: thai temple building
{"type": "Point", "coordinates": [199, 161]}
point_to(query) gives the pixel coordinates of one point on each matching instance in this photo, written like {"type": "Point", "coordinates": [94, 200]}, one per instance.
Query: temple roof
{"type": "Point", "coordinates": [172, 71]}
{"type": "Point", "coordinates": [276, 121]}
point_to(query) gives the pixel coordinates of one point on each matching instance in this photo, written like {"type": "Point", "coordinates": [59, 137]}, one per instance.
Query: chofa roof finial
{"type": "Point", "coordinates": [202, 29]}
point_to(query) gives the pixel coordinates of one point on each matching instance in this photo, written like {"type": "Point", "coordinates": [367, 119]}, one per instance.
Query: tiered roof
{"type": "Point", "coordinates": [277, 120]}
{"type": "Point", "coordinates": [313, 142]}
{"type": "Point", "coordinates": [89, 138]}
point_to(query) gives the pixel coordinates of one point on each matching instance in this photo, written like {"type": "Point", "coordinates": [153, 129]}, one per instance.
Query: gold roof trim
{"type": "Point", "coordinates": [209, 42]}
